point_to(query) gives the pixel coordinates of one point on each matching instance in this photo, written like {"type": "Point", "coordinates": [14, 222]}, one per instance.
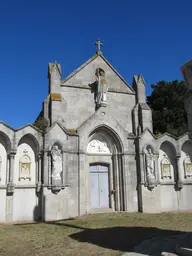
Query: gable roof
{"type": "Point", "coordinates": [88, 62]}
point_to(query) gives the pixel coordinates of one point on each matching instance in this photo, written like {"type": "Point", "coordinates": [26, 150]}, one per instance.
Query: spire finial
{"type": "Point", "coordinates": [99, 44]}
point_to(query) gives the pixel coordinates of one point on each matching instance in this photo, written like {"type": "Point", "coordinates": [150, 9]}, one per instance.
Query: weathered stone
{"type": "Point", "coordinates": [102, 126]}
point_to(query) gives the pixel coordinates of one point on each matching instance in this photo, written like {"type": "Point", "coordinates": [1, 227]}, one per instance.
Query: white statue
{"type": "Point", "coordinates": [102, 87]}
{"type": "Point", "coordinates": [57, 162]}
{"type": "Point", "coordinates": [97, 146]}
{"type": "Point", "coordinates": [150, 165]}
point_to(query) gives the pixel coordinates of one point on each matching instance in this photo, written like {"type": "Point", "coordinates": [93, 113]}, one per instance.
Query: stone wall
{"type": "Point", "coordinates": [20, 173]}
{"type": "Point", "coordinates": [171, 190]}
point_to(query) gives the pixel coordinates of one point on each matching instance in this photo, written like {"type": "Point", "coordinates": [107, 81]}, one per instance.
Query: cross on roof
{"type": "Point", "coordinates": [99, 44]}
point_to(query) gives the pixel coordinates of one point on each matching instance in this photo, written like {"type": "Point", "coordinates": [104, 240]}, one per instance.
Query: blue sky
{"type": "Point", "coordinates": [153, 38]}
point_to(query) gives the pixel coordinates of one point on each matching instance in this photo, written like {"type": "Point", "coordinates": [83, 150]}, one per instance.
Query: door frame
{"type": "Point", "coordinates": [109, 182]}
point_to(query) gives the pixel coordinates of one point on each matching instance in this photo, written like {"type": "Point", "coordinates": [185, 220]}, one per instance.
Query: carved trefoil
{"type": "Point", "coordinates": [149, 160]}
{"type": "Point", "coordinates": [25, 167]}
{"type": "Point", "coordinates": [165, 167]}
{"type": "Point", "coordinates": [187, 166]}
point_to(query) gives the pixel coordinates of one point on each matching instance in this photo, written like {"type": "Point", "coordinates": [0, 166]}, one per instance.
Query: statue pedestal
{"type": "Point", "coordinates": [56, 186]}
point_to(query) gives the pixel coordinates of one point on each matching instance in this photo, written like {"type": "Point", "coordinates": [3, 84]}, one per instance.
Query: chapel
{"type": "Point", "coordinates": [97, 152]}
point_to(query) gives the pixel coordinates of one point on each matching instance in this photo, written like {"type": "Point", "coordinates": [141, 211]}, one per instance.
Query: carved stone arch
{"type": "Point", "coordinates": [186, 158]}
{"type": "Point", "coordinates": [168, 164]}
{"type": "Point", "coordinates": [111, 135]}
{"type": "Point", "coordinates": [5, 141]}
{"type": "Point", "coordinates": [5, 149]}
{"type": "Point", "coordinates": [170, 145]}
{"type": "Point", "coordinates": [32, 142]}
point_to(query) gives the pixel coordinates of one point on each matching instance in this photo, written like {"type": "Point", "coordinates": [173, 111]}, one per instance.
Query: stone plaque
{"type": "Point", "coordinates": [166, 167]}
{"type": "Point", "coordinates": [25, 167]}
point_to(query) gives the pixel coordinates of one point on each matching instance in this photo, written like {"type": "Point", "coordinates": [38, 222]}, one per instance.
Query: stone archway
{"type": "Point", "coordinates": [105, 182]}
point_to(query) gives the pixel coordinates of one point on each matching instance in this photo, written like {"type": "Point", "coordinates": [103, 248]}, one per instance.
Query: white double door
{"type": "Point", "coordinates": [99, 184]}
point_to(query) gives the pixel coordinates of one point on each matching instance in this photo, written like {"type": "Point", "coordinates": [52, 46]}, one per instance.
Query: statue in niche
{"type": "Point", "coordinates": [188, 166]}
{"type": "Point", "coordinates": [150, 165]}
{"type": "Point", "coordinates": [25, 167]}
{"type": "Point", "coordinates": [166, 167]}
{"type": "Point", "coordinates": [56, 162]}
{"type": "Point", "coordinates": [97, 146]}
{"type": "Point", "coordinates": [102, 87]}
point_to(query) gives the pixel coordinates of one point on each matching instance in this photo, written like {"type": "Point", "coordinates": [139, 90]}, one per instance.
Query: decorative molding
{"type": "Point", "coordinates": [165, 167]}
{"type": "Point", "coordinates": [98, 146]}
{"type": "Point", "coordinates": [187, 167]}
{"type": "Point", "coordinates": [25, 167]}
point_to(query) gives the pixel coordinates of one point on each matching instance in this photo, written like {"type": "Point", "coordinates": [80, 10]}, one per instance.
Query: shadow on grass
{"type": "Point", "coordinates": [117, 238]}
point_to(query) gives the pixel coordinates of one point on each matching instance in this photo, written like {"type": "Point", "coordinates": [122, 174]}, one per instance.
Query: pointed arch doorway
{"type": "Point", "coordinates": [104, 157]}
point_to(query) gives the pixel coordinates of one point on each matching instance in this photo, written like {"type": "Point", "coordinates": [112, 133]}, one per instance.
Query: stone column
{"type": "Point", "coordinates": [49, 168]}
{"type": "Point", "coordinates": [179, 182]}
{"type": "Point", "coordinates": [124, 171]}
{"type": "Point", "coordinates": [142, 169]}
{"type": "Point", "coordinates": [116, 183]}
{"type": "Point", "coordinates": [39, 168]}
{"type": "Point", "coordinates": [157, 171]}
{"type": "Point", "coordinates": [10, 186]}
{"type": "Point", "coordinates": [120, 185]}
{"type": "Point", "coordinates": [38, 173]}
{"type": "Point", "coordinates": [7, 170]}
{"type": "Point", "coordinates": [63, 168]}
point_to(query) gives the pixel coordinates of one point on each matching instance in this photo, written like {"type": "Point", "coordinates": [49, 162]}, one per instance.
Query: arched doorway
{"type": "Point", "coordinates": [104, 157]}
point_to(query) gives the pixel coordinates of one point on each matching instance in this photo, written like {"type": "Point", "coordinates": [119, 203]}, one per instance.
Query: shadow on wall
{"type": "Point", "coordinates": [120, 238]}
{"type": "Point", "coordinates": [37, 212]}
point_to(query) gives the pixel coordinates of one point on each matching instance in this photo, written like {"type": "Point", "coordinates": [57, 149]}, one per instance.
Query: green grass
{"type": "Point", "coordinates": [101, 234]}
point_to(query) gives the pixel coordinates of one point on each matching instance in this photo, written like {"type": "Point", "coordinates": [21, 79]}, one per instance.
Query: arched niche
{"type": "Point", "coordinates": [186, 160]}
{"type": "Point", "coordinates": [5, 148]}
{"type": "Point", "coordinates": [25, 160]}
{"type": "Point", "coordinates": [167, 162]}
{"type": "Point", "coordinates": [56, 162]}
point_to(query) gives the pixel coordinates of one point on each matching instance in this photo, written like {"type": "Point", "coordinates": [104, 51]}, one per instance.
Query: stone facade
{"type": "Point", "coordinates": [97, 154]}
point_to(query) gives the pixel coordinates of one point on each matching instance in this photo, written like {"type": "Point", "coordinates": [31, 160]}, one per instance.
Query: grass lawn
{"type": "Point", "coordinates": [101, 234]}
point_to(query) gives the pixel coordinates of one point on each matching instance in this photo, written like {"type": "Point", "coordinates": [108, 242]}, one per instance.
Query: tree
{"type": "Point", "coordinates": [167, 104]}
{"type": "Point", "coordinates": [41, 123]}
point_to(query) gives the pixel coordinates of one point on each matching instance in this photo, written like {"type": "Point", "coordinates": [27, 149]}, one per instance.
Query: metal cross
{"type": "Point", "coordinates": [99, 44]}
